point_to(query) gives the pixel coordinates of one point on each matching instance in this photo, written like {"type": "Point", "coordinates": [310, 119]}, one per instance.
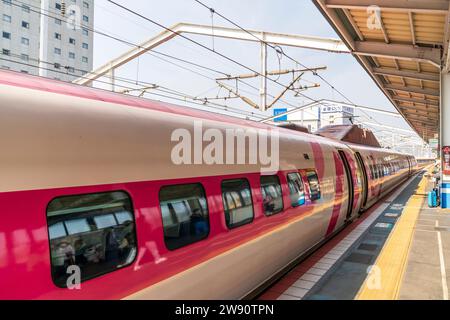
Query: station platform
{"type": "Point", "coordinates": [397, 250]}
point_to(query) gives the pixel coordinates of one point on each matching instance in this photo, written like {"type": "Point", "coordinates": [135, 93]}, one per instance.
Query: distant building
{"type": "Point", "coordinates": [38, 37]}
{"type": "Point", "coordinates": [321, 115]}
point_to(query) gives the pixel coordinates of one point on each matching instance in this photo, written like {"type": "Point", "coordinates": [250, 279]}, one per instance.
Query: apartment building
{"type": "Point", "coordinates": [50, 38]}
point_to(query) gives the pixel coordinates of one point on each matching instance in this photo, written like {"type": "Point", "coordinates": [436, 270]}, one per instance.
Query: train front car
{"type": "Point", "coordinates": [106, 196]}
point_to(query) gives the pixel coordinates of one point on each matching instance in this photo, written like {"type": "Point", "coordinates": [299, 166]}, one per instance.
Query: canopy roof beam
{"type": "Point", "coordinates": [417, 101]}
{"type": "Point", "coordinates": [398, 51]}
{"type": "Point", "coordinates": [407, 74]}
{"type": "Point", "coordinates": [422, 6]}
{"type": "Point", "coordinates": [429, 92]}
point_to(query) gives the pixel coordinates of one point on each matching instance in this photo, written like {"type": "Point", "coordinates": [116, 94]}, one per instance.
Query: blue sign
{"type": "Point", "coordinates": [280, 111]}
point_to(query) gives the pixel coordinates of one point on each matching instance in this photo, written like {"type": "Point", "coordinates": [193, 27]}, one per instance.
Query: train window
{"type": "Point", "coordinates": [184, 214]}
{"type": "Point", "coordinates": [380, 171]}
{"type": "Point", "coordinates": [314, 185]}
{"type": "Point", "coordinates": [57, 230]}
{"type": "Point", "coordinates": [375, 171]}
{"type": "Point", "coordinates": [296, 189]}
{"type": "Point", "coordinates": [237, 202]}
{"type": "Point", "coordinates": [86, 231]}
{"type": "Point", "coordinates": [272, 195]}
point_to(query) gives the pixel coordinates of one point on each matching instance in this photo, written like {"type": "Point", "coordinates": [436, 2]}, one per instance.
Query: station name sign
{"type": "Point", "coordinates": [336, 109]}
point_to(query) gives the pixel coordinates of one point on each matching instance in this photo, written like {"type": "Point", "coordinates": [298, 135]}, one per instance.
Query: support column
{"type": "Point", "coordinates": [43, 41]}
{"type": "Point", "coordinates": [445, 135]}
{"type": "Point", "coordinates": [263, 90]}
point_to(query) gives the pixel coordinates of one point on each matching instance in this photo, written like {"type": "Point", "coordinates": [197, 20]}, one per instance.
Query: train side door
{"type": "Point", "coordinates": [351, 187]}
{"type": "Point", "coordinates": [365, 178]}
{"type": "Point", "coordinates": [409, 165]}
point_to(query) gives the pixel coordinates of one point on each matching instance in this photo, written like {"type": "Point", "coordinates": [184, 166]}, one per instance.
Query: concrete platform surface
{"type": "Point", "coordinates": [400, 249]}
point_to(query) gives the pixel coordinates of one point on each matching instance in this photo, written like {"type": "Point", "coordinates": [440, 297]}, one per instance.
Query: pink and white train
{"type": "Point", "coordinates": [89, 193]}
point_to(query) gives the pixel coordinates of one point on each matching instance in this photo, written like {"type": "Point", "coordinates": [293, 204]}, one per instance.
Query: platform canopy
{"type": "Point", "coordinates": [402, 44]}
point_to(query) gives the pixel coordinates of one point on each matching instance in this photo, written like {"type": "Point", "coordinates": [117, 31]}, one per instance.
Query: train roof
{"type": "Point", "coordinates": [351, 134]}
{"type": "Point", "coordinates": [17, 79]}
{"type": "Point", "coordinates": [33, 82]}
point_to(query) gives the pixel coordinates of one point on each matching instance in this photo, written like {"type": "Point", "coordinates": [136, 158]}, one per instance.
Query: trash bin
{"type": "Point", "coordinates": [432, 198]}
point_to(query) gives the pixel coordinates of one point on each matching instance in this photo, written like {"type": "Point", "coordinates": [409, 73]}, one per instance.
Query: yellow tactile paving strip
{"type": "Point", "coordinates": [392, 260]}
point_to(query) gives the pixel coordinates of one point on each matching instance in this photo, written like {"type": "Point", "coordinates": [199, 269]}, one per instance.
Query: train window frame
{"type": "Point", "coordinates": [288, 180]}
{"type": "Point", "coordinates": [67, 234]}
{"type": "Point", "coordinates": [243, 222]}
{"type": "Point", "coordinates": [208, 214]}
{"type": "Point", "coordinates": [281, 193]}
{"type": "Point", "coordinates": [307, 172]}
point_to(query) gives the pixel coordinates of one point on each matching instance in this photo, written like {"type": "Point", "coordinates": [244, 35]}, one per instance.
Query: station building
{"type": "Point", "coordinates": [319, 115]}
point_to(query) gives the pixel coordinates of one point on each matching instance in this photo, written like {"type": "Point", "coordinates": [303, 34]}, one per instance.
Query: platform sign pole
{"type": "Point", "coordinates": [445, 140]}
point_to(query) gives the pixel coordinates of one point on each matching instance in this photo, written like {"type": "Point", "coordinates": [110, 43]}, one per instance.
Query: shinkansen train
{"type": "Point", "coordinates": [94, 205]}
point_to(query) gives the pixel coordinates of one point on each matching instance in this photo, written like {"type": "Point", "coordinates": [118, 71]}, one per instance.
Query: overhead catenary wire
{"type": "Point", "coordinates": [134, 82]}
{"type": "Point", "coordinates": [41, 11]}
{"type": "Point", "coordinates": [277, 50]}
{"type": "Point", "coordinates": [182, 97]}
{"type": "Point", "coordinates": [209, 49]}
{"type": "Point", "coordinates": [205, 47]}
{"type": "Point", "coordinates": [152, 52]}
{"type": "Point", "coordinates": [116, 38]}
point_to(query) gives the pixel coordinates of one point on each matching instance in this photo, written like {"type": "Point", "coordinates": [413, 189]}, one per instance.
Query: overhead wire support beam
{"type": "Point", "coordinates": [245, 99]}
{"type": "Point", "coordinates": [206, 99]}
{"type": "Point", "coordinates": [263, 88]}
{"type": "Point", "coordinates": [303, 88]}
{"type": "Point", "coordinates": [271, 73]}
{"type": "Point", "coordinates": [290, 86]}
{"type": "Point", "coordinates": [299, 41]}
{"type": "Point", "coordinates": [154, 86]}
{"type": "Point", "coordinates": [291, 40]}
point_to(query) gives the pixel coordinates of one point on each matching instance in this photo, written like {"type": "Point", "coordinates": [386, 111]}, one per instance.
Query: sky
{"type": "Point", "coordinates": [282, 16]}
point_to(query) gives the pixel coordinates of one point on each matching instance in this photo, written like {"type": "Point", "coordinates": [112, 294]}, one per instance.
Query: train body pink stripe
{"type": "Point", "coordinates": [339, 167]}
{"type": "Point", "coordinates": [27, 255]}
{"type": "Point", "coordinates": [318, 159]}
{"type": "Point", "coordinates": [354, 169]}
